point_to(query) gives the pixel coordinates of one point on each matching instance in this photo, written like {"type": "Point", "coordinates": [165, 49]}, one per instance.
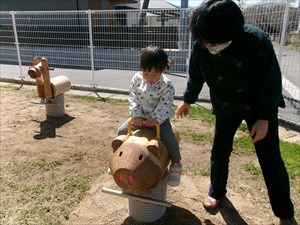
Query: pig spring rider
{"type": "Point", "coordinates": [139, 165]}
{"type": "Point", "coordinates": [51, 91]}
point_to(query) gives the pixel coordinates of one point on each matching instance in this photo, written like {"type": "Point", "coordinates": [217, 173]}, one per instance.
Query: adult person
{"type": "Point", "coordinates": [239, 65]}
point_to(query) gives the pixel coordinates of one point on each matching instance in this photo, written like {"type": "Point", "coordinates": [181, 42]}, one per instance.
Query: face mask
{"type": "Point", "coordinates": [218, 48]}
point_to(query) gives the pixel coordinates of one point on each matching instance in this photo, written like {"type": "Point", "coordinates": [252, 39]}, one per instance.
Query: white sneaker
{"type": "Point", "coordinates": [174, 175]}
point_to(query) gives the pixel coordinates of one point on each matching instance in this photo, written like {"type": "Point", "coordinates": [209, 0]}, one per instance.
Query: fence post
{"type": "Point", "coordinates": [17, 42]}
{"type": "Point", "coordinates": [91, 47]}
{"type": "Point", "coordinates": [189, 52]}
{"type": "Point", "coordinates": [143, 13]}
{"type": "Point", "coordinates": [283, 31]}
{"type": "Point", "coordinates": [183, 30]}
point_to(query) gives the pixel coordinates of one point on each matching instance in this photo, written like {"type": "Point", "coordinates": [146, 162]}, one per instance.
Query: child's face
{"type": "Point", "coordinates": [151, 76]}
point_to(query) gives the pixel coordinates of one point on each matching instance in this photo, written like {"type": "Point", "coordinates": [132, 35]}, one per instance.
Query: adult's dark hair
{"type": "Point", "coordinates": [217, 21]}
{"type": "Point", "coordinates": [153, 57]}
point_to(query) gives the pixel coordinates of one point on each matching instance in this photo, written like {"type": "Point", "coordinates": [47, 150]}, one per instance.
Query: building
{"type": "Point", "coordinates": [67, 5]}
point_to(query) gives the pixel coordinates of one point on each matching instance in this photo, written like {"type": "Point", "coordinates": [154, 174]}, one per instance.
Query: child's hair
{"type": "Point", "coordinates": [217, 21]}
{"type": "Point", "coordinates": [153, 57]}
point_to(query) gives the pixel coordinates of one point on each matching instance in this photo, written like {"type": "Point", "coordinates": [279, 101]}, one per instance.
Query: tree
{"type": "Point", "coordinates": [269, 15]}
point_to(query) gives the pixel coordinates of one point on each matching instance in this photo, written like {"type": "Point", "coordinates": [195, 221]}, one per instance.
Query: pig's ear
{"type": "Point", "coordinates": [152, 147]}
{"type": "Point", "coordinates": [118, 141]}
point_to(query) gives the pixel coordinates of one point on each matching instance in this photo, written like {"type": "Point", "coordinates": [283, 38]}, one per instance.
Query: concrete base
{"type": "Point", "coordinates": [147, 212]}
{"type": "Point", "coordinates": [57, 108]}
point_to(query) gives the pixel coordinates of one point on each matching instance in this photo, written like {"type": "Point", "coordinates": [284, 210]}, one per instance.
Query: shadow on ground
{"type": "Point", "coordinates": [48, 127]}
{"type": "Point", "coordinates": [173, 216]}
{"type": "Point", "coordinates": [228, 212]}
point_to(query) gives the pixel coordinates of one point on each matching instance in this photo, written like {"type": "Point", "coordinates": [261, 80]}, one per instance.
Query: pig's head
{"type": "Point", "coordinates": [134, 167]}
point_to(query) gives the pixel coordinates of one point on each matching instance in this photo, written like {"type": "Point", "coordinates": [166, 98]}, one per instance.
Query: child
{"type": "Point", "coordinates": [150, 102]}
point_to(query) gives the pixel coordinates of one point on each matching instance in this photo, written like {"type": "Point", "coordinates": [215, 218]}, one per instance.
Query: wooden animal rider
{"type": "Point", "coordinates": [47, 88]}
{"type": "Point", "coordinates": [139, 159]}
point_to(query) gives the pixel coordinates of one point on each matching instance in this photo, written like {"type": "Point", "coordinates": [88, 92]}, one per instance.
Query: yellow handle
{"type": "Point", "coordinates": [156, 125]}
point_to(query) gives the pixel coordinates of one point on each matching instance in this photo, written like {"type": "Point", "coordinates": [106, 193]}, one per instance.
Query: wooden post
{"type": "Point", "coordinates": [46, 79]}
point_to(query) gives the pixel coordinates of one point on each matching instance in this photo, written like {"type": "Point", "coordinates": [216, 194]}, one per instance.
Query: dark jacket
{"type": "Point", "coordinates": [244, 79]}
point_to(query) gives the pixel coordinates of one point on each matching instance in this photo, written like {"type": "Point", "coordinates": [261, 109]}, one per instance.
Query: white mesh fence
{"type": "Point", "coordinates": [100, 49]}
{"type": "Point", "coordinates": [93, 48]}
{"type": "Point", "coordinates": [281, 20]}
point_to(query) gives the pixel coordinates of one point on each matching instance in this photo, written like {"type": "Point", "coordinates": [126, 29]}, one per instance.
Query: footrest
{"type": "Point", "coordinates": [42, 102]}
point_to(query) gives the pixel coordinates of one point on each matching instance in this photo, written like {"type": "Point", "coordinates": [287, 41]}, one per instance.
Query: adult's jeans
{"type": "Point", "coordinates": [269, 157]}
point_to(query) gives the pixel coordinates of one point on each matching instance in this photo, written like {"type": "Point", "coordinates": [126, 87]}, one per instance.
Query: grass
{"type": "Point", "coordinates": [83, 97]}
{"type": "Point", "coordinates": [206, 116]}
{"type": "Point", "coordinates": [252, 169]}
{"type": "Point", "coordinates": [201, 113]}
{"type": "Point", "coordinates": [47, 195]}
{"type": "Point", "coordinates": [197, 137]}
{"type": "Point", "coordinates": [51, 196]}
{"type": "Point", "coordinates": [99, 99]}
{"type": "Point", "coordinates": [290, 151]}
{"type": "Point", "coordinates": [193, 169]}
{"type": "Point", "coordinates": [243, 143]}
{"type": "Point", "coordinates": [49, 200]}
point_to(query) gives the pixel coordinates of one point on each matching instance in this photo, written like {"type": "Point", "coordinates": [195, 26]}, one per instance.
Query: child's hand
{"type": "Point", "coordinates": [150, 122]}
{"type": "Point", "coordinates": [137, 121]}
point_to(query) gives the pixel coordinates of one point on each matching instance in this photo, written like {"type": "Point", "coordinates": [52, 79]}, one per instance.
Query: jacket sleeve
{"type": "Point", "coordinates": [164, 110]}
{"type": "Point", "coordinates": [135, 109]}
{"type": "Point", "coordinates": [270, 81]}
{"type": "Point", "coordinates": [195, 80]}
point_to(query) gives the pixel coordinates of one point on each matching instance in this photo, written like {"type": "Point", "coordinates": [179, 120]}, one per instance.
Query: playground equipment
{"type": "Point", "coordinates": [139, 165]}
{"type": "Point", "coordinates": [50, 90]}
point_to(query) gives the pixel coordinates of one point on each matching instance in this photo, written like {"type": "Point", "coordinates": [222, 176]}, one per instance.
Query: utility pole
{"type": "Point", "coordinates": [298, 29]}
{"type": "Point", "coordinates": [183, 26]}
{"type": "Point", "coordinates": [184, 4]}
{"type": "Point", "coordinates": [143, 14]}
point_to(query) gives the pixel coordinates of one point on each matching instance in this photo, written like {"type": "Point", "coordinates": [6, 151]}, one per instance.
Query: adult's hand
{"type": "Point", "coordinates": [182, 110]}
{"type": "Point", "coordinates": [259, 130]}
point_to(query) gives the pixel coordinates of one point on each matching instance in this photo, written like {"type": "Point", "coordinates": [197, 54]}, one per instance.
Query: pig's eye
{"type": "Point", "coordinates": [141, 157]}
{"type": "Point", "coordinates": [120, 154]}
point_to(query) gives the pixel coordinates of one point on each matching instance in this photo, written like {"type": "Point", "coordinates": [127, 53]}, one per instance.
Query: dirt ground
{"type": "Point", "coordinates": [80, 144]}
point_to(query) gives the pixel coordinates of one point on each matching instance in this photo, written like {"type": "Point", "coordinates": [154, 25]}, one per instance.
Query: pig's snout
{"type": "Point", "coordinates": [124, 177]}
